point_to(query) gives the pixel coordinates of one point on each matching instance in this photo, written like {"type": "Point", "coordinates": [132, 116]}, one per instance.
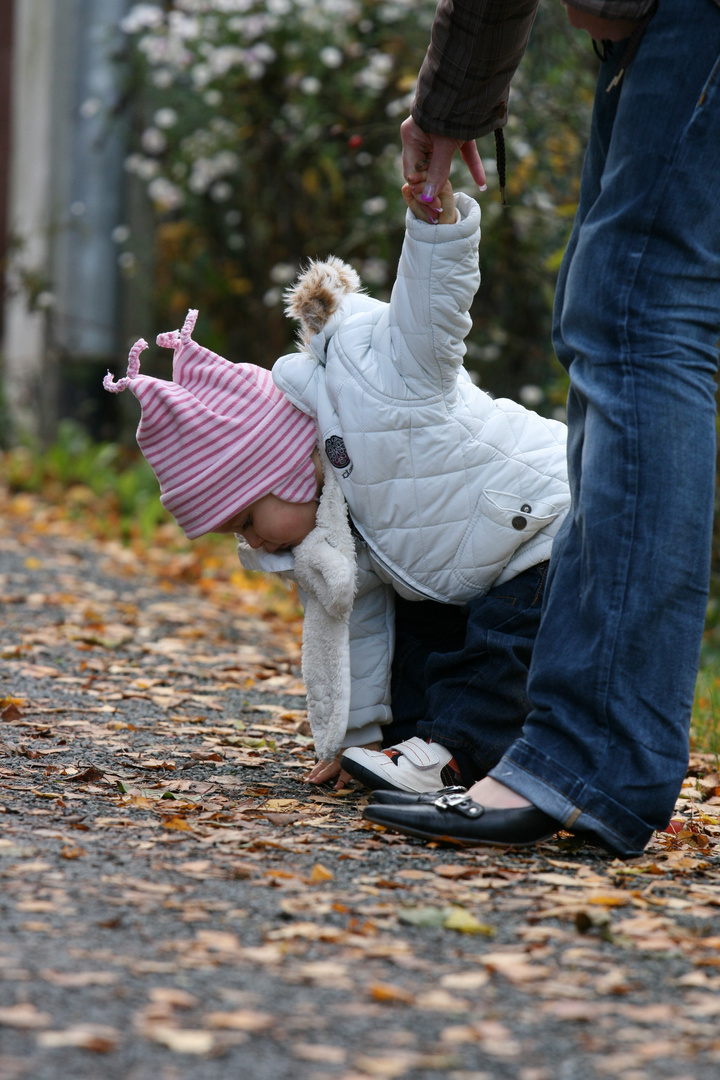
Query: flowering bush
{"type": "Point", "coordinates": [268, 131]}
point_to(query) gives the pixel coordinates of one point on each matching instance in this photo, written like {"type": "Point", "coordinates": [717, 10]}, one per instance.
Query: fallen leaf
{"type": "Point", "coordinates": [388, 992]}
{"type": "Point", "coordinates": [69, 851]}
{"type": "Point", "coordinates": [320, 873]}
{"type": "Point", "coordinates": [74, 980]}
{"type": "Point", "coordinates": [320, 1053]}
{"type": "Point", "coordinates": [23, 1015]}
{"type": "Point", "coordinates": [177, 824]}
{"type": "Point", "coordinates": [457, 918]}
{"type": "Point", "coordinates": [180, 1041]}
{"type": "Point", "coordinates": [240, 1020]}
{"type": "Point", "coordinates": [99, 1038]}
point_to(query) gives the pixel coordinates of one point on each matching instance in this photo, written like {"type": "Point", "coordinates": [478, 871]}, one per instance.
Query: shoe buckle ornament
{"type": "Point", "coordinates": [460, 803]}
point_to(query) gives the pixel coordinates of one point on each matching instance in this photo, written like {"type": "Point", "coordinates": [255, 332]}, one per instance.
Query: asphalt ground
{"type": "Point", "coordinates": [178, 905]}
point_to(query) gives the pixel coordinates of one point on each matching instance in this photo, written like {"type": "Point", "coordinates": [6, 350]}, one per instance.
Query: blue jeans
{"type": "Point", "coordinates": [637, 319]}
{"type": "Point", "coordinates": [460, 673]}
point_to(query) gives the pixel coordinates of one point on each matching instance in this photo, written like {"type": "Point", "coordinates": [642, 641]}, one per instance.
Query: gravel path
{"type": "Point", "coordinates": [177, 904]}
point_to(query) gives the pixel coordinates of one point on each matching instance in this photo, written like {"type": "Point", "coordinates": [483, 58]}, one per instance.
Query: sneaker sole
{"type": "Point", "coordinates": [371, 779]}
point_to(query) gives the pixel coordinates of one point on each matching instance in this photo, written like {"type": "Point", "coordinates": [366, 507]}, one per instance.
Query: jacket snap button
{"type": "Point", "coordinates": [526, 508]}
{"type": "Point", "coordinates": [518, 522]}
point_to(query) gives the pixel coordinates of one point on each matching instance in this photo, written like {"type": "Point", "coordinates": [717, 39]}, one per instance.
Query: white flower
{"type": "Point", "coordinates": [186, 27]}
{"type": "Point", "coordinates": [201, 75]}
{"type": "Point", "coordinates": [45, 300]}
{"type": "Point", "coordinates": [233, 218]}
{"type": "Point", "coordinates": [310, 85]}
{"type": "Point", "coordinates": [281, 273]}
{"type": "Point", "coordinates": [165, 194]}
{"type": "Point", "coordinates": [141, 17]}
{"type": "Point", "coordinates": [236, 241]}
{"type": "Point", "coordinates": [375, 205]}
{"type": "Point", "coordinates": [375, 76]}
{"type": "Point", "coordinates": [153, 140]}
{"type": "Point", "coordinates": [213, 98]}
{"type": "Point", "coordinates": [163, 78]}
{"type": "Point", "coordinates": [530, 395]}
{"type": "Point", "coordinates": [120, 234]}
{"type": "Point", "coordinates": [263, 52]}
{"type": "Point", "coordinates": [221, 192]}
{"type": "Point", "coordinates": [331, 56]}
{"type": "Point", "coordinates": [165, 118]}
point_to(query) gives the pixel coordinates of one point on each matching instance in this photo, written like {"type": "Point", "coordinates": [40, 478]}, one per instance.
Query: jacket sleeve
{"type": "Point", "coordinates": [372, 644]}
{"type": "Point", "coordinates": [437, 278]}
{"type": "Point", "coordinates": [475, 48]}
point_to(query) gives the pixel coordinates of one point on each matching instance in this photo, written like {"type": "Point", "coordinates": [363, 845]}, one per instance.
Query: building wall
{"type": "Point", "coordinates": [65, 198]}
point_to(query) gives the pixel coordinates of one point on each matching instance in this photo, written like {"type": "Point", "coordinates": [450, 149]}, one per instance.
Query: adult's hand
{"type": "Point", "coordinates": [599, 28]}
{"type": "Point", "coordinates": [423, 151]}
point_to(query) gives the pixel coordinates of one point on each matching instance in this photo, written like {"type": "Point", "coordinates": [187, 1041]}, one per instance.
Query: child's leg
{"type": "Point", "coordinates": [476, 698]}
{"type": "Point", "coordinates": [422, 628]}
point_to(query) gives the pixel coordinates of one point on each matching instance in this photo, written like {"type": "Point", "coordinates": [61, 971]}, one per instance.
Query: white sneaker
{"type": "Point", "coordinates": [414, 765]}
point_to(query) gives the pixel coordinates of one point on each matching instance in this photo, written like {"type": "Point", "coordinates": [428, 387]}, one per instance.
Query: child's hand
{"type": "Point", "coordinates": [441, 211]}
{"type": "Point", "coordinates": [327, 770]}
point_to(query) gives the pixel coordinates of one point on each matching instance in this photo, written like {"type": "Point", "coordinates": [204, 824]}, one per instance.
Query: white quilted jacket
{"type": "Point", "coordinates": [449, 491]}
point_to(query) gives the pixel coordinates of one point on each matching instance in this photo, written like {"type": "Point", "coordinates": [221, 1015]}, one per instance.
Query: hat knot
{"type": "Point", "coordinates": [133, 369]}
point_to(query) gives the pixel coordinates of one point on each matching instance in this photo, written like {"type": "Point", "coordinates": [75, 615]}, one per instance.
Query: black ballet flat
{"type": "Point", "coordinates": [410, 798]}
{"type": "Point", "coordinates": [457, 819]}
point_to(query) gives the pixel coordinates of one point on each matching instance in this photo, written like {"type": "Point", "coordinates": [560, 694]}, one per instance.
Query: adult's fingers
{"type": "Point", "coordinates": [439, 167]}
{"type": "Point", "coordinates": [471, 157]}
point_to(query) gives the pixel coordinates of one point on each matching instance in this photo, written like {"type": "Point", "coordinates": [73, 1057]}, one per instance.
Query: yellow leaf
{"type": "Point", "coordinates": [176, 823]}
{"type": "Point", "coordinates": [320, 873]}
{"type": "Point", "coordinates": [466, 923]}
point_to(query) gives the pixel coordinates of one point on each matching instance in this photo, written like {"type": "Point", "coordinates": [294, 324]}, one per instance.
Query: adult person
{"type": "Point", "coordinates": [636, 323]}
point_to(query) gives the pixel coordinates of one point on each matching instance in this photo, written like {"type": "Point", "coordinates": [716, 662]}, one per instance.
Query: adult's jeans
{"type": "Point", "coordinates": [637, 319]}
{"type": "Point", "coordinates": [459, 673]}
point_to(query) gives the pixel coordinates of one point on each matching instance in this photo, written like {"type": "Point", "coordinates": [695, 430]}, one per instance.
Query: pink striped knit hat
{"type": "Point", "coordinates": [219, 436]}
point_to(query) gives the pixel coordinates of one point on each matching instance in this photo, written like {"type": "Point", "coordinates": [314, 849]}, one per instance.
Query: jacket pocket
{"type": "Point", "coordinates": [501, 523]}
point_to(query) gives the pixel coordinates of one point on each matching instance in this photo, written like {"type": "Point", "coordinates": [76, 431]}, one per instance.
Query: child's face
{"type": "Point", "coordinates": [273, 524]}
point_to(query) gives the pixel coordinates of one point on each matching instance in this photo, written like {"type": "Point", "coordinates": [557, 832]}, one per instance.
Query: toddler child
{"type": "Point", "coordinates": [370, 467]}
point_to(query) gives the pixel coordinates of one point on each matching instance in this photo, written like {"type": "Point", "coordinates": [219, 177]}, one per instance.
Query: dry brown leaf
{"type": "Point", "coordinates": [74, 980]}
{"type": "Point", "coordinates": [172, 997]}
{"type": "Point", "coordinates": [516, 967]}
{"type": "Point", "coordinates": [100, 1038]}
{"type": "Point", "coordinates": [452, 870]}
{"type": "Point", "coordinates": [180, 1041]}
{"type": "Point", "coordinates": [388, 993]}
{"type": "Point", "coordinates": [320, 873]}
{"type": "Point", "coordinates": [23, 1015]}
{"type": "Point", "coordinates": [71, 851]}
{"type": "Point", "coordinates": [240, 1020]}
{"type": "Point", "coordinates": [320, 1053]}
{"type": "Point", "coordinates": [465, 980]}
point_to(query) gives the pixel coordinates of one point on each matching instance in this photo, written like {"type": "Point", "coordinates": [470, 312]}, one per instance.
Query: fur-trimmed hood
{"type": "Point", "coordinates": [326, 292]}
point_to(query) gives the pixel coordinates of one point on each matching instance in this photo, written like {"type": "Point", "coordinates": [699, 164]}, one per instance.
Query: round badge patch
{"type": "Point", "coordinates": [336, 452]}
